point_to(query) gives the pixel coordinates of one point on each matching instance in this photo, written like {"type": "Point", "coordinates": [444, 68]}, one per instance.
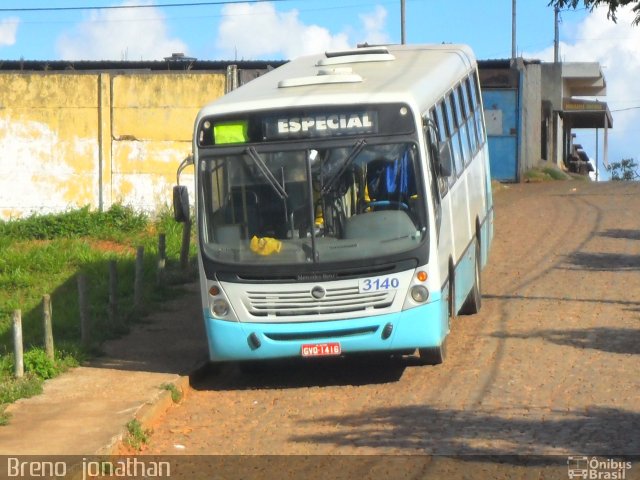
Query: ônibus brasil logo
{"type": "Point", "coordinates": [596, 468]}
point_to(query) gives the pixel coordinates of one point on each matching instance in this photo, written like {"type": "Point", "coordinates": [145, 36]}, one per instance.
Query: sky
{"type": "Point", "coordinates": [284, 29]}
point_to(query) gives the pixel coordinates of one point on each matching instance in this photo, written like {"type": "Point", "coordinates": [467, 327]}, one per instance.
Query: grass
{"type": "Point", "coordinates": [176, 394]}
{"type": "Point", "coordinates": [136, 435]}
{"type": "Point", "coordinates": [544, 174]}
{"type": "Point", "coordinates": [43, 254]}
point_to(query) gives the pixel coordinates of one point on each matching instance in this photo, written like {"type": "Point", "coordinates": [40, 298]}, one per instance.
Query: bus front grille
{"type": "Point", "coordinates": [301, 302]}
{"type": "Point", "coordinates": [298, 336]}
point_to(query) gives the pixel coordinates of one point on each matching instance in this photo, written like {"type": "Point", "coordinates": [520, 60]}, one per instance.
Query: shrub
{"type": "Point", "coordinates": [37, 362]}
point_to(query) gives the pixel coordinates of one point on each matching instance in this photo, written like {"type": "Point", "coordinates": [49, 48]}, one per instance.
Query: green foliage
{"type": "Point", "coordinates": [75, 224]}
{"type": "Point", "coordinates": [44, 254]}
{"type": "Point", "coordinates": [545, 174]}
{"type": "Point", "coordinates": [137, 437]}
{"type": "Point", "coordinates": [554, 173]}
{"type": "Point", "coordinates": [613, 6]}
{"type": "Point", "coordinates": [4, 416]}
{"type": "Point", "coordinates": [12, 389]}
{"type": "Point", "coordinates": [176, 394]}
{"type": "Point", "coordinates": [37, 362]}
{"type": "Point", "coordinates": [624, 170]}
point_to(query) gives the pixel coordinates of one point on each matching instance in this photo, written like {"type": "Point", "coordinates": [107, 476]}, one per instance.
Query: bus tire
{"type": "Point", "coordinates": [473, 302]}
{"type": "Point", "coordinates": [433, 355]}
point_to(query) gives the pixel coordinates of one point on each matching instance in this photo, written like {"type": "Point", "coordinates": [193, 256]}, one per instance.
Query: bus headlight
{"type": "Point", "coordinates": [220, 307]}
{"type": "Point", "coordinates": [419, 293]}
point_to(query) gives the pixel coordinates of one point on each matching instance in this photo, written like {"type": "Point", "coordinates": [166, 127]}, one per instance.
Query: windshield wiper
{"type": "Point", "coordinates": [357, 148]}
{"type": "Point", "coordinates": [279, 189]}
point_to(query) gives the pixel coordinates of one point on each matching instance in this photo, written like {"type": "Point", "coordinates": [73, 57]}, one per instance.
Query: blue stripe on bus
{"type": "Point", "coordinates": [424, 326]}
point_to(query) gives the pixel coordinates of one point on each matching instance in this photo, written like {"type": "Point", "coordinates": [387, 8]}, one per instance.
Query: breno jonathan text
{"type": "Point", "coordinates": [129, 467]}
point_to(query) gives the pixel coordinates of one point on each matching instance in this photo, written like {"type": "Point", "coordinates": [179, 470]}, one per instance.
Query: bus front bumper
{"type": "Point", "coordinates": [424, 326]}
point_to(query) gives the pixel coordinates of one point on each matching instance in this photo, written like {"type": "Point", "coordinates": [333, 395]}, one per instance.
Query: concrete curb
{"type": "Point", "coordinates": [148, 414]}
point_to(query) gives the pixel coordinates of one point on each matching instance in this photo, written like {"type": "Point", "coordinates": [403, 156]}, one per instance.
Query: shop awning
{"type": "Point", "coordinates": [578, 113]}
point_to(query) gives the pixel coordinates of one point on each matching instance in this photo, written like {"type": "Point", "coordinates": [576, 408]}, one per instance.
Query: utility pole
{"type": "Point", "coordinates": [513, 29]}
{"type": "Point", "coordinates": [597, 148]}
{"type": "Point", "coordinates": [402, 24]}
{"type": "Point", "coordinates": [556, 36]}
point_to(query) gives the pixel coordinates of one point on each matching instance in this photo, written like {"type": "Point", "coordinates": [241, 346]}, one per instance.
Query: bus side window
{"type": "Point", "coordinates": [475, 100]}
{"type": "Point", "coordinates": [456, 145]}
{"type": "Point", "coordinates": [471, 122]}
{"type": "Point", "coordinates": [462, 125]}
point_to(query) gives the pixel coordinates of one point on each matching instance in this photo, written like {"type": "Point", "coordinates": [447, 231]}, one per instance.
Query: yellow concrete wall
{"type": "Point", "coordinates": [48, 142]}
{"type": "Point", "coordinates": [74, 139]}
{"type": "Point", "coordinates": [152, 127]}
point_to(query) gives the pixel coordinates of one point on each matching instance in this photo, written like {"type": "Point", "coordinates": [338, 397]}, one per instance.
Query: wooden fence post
{"type": "Point", "coordinates": [113, 293]}
{"type": "Point", "coordinates": [139, 278]}
{"type": "Point", "coordinates": [18, 350]}
{"type": "Point", "coordinates": [48, 326]}
{"type": "Point", "coordinates": [83, 304]}
{"type": "Point", "coordinates": [184, 249]}
{"type": "Point", "coordinates": [162, 258]}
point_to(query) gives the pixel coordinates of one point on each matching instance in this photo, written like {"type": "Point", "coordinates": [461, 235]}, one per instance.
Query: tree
{"type": "Point", "coordinates": [625, 169]}
{"type": "Point", "coordinates": [591, 4]}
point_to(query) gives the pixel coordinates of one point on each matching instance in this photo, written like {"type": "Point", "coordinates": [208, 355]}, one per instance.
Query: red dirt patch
{"type": "Point", "coordinates": [112, 247]}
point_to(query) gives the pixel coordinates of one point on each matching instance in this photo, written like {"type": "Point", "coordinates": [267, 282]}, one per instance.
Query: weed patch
{"type": "Point", "coordinates": [137, 437]}
{"type": "Point", "coordinates": [545, 174]}
{"type": "Point", "coordinates": [176, 394]}
{"type": "Point", "coordinates": [4, 416]}
{"type": "Point", "coordinates": [12, 389]}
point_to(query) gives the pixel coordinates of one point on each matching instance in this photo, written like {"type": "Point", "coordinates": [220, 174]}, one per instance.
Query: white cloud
{"type": "Point", "coordinates": [374, 24]}
{"type": "Point", "coordinates": [8, 30]}
{"type": "Point", "coordinates": [120, 34]}
{"type": "Point", "coordinates": [615, 47]}
{"type": "Point", "coordinates": [252, 31]}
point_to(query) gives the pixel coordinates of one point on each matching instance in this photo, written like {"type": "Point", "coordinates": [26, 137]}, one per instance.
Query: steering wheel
{"type": "Point", "coordinates": [388, 203]}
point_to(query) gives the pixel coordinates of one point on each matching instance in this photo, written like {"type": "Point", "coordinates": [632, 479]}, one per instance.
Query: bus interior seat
{"type": "Point", "coordinates": [391, 180]}
{"type": "Point", "coordinates": [229, 234]}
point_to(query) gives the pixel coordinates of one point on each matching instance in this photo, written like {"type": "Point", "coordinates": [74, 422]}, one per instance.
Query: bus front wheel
{"type": "Point", "coordinates": [433, 355]}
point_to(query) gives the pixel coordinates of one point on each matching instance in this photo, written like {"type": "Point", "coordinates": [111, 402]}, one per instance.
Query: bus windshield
{"type": "Point", "coordinates": [287, 204]}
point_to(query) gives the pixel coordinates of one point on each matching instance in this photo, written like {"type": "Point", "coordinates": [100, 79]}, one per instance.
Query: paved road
{"type": "Point", "coordinates": [549, 367]}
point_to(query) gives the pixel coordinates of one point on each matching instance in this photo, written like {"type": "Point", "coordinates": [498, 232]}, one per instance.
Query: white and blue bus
{"type": "Point", "coordinates": [343, 205]}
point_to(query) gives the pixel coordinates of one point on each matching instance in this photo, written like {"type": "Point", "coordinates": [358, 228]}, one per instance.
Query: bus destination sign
{"type": "Point", "coordinates": [320, 125]}
{"type": "Point", "coordinates": [297, 124]}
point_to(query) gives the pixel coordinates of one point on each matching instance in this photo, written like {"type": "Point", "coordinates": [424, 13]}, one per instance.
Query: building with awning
{"type": "Point", "coordinates": [564, 88]}
{"type": "Point", "coordinates": [532, 110]}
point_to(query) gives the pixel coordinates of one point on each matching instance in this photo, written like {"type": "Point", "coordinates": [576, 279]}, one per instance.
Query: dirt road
{"type": "Point", "coordinates": [549, 367]}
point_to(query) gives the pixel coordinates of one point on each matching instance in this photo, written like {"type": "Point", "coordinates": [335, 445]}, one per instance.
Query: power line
{"type": "Point", "coordinates": [626, 109]}
{"type": "Point", "coordinates": [122, 7]}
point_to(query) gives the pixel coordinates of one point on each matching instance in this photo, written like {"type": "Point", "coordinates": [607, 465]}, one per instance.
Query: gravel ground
{"type": "Point", "coordinates": [548, 369]}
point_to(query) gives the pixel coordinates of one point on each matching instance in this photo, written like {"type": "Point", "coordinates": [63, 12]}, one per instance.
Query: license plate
{"type": "Point", "coordinates": [321, 349]}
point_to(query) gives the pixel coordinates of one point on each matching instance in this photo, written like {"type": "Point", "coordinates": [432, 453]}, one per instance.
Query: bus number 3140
{"type": "Point", "coordinates": [380, 283]}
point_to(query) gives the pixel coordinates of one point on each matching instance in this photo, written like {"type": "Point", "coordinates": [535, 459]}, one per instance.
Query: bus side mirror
{"type": "Point", "coordinates": [444, 160]}
{"type": "Point", "coordinates": [180, 203]}
{"type": "Point", "coordinates": [445, 168]}
{"type": "Point", "coordinates": [438, 151]}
